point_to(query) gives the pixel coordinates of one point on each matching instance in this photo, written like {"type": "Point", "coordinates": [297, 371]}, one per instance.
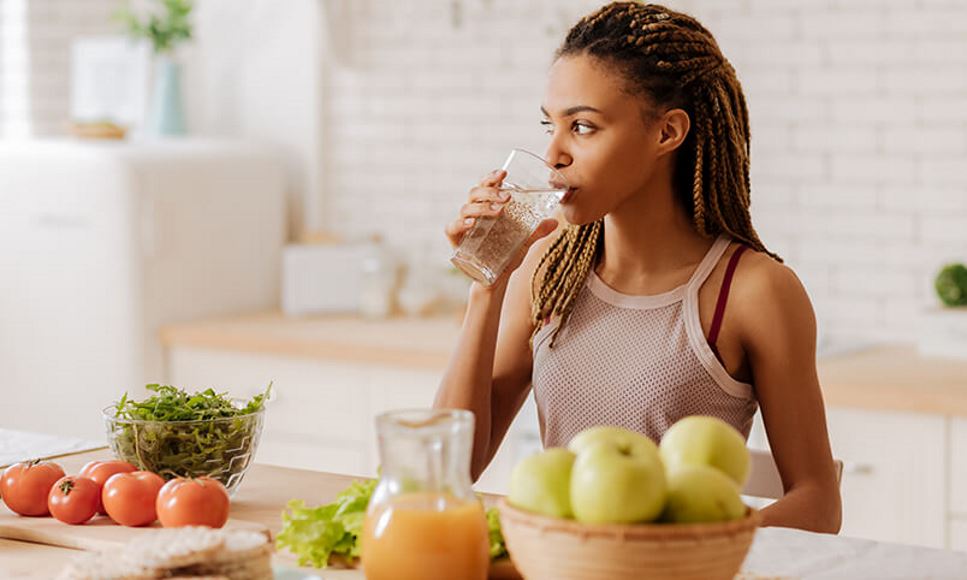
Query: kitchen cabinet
{"type": "Point", "coordinates": [958, 534]}
{"type": "Point", "coordinates": [322, 411]}
{"type": "Point", "coordinates": [894, 480]}
{"type": "Point", "coordinates": [893, 484]}
{"type": "Point", "coordinates": [105, 242]}
{"type": "Point", "coordinates": [958, 467]}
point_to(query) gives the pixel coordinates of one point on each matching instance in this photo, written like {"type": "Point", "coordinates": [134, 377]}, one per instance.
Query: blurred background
{"type": "Point", "coordinates": [256, 192]}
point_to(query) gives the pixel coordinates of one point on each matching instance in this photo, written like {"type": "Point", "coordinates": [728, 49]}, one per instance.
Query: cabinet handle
{"type": "Point", "coordinates": [852, 468]}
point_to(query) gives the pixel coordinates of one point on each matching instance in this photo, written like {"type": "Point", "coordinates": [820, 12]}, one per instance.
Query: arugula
{"type": "Point", "coordinates": [176, 433]}
{"type": "Point", "coordinates": [315, 534]}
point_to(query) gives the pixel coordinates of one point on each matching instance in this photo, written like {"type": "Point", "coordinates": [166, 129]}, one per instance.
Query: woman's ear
{"type": "Point", "coordinates": [673, 127]}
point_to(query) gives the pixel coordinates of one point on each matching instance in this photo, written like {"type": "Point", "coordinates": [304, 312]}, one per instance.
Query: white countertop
{"type": "Point", "coordinates": [16, 446]}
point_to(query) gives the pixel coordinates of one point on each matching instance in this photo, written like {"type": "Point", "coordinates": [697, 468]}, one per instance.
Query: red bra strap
{"type": "Point", "coordinates": [713, 333]}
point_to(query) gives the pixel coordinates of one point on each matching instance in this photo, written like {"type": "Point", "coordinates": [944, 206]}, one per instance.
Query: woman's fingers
{"type": "Point", "coordinates": [493, 178]}
{"type": "Point", "coordinates": [481, 193]}
{"type": "Point", "coordinates": [481, 209]}
{"type": "Point", "coordinates": [455, 230]}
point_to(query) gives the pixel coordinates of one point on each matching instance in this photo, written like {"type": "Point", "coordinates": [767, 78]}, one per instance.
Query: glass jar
{"type": "Point", "coordinates": [378, 280]}
{"type": "Point", "coordinates": [424, 521]}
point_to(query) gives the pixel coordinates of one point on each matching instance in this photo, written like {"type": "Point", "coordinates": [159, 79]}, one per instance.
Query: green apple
{"type": "Point", "coordinates": [702, 440]}
{"type": "Point", "coordinates": [630, 441]}
{"type": "Point", "coordinates": [699, 493]}
{"type": "Point", "coordinates": [541, 483]}
{"type": "Point", "coordinates": [614, 482]}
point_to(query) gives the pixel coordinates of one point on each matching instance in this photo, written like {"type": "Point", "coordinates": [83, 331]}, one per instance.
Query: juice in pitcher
{"type": "Point", "coordinates": [424, 522]}
{"type": "Point", "coordinates": [426, 536]}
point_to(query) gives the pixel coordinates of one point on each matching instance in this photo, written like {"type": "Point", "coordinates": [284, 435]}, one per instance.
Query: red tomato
{"type": "Point", "coordinates": [25, 486]}
{"type": "Point", "coordinates": [193, 502]}
{"type": "Point", "coordinates": [100, 471]}
{"type": "Point", "coordinates": [74, 500]}
{"type": "Point", "coordinates": [128, 498]}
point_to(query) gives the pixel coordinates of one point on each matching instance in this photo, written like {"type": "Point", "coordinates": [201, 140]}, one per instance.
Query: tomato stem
{"type": "Point", "coordinates": [67, 486]}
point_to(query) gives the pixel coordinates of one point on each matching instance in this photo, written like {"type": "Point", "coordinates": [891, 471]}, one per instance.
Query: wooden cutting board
{"type": "Point", "coordinates": [98, 534]}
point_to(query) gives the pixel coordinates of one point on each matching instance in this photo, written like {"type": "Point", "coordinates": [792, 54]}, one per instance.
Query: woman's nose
{"type": "Point", "coordinates": [556, 156]}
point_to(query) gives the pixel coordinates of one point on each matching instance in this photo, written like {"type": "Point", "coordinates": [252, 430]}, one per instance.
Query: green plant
{"type": "Point", "coordinates": [165, 28]}
{"type": "Point", "coordinates": [951, 285]}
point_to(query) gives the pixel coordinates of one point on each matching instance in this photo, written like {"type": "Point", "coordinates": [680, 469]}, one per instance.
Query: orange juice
{"type": "Point", "coordinates": [426, 536]}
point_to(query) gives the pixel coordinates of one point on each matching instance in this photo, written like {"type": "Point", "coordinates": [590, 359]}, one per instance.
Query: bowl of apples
{"type": "Point", "coordinates": [615, 506]}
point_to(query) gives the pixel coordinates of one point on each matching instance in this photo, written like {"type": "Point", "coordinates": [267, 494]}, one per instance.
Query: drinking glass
{"type": "Point", "coordinates": [535, 190]}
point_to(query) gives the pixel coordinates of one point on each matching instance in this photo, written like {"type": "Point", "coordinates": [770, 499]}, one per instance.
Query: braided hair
{"type": "Point", "coordinates": [673, 61]}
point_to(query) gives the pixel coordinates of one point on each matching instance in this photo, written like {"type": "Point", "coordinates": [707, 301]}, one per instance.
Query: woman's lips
{"type": "Point", "coordinates": [568, 194]}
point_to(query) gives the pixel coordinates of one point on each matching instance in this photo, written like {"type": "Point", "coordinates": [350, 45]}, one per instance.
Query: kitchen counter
{"type": "Point", "coordinates": [884, 377]}
{"type": "Point", "coordinates": [775, 551]}
{"type": "Point", "coordinates": [420, 343]}
{"type": "Point", "coordinates": [895, 378]}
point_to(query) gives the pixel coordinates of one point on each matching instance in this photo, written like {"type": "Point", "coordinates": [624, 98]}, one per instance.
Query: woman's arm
{"type": "Point", "coordinates": [778, 333]}
{"type": "Point", "coordinates": [490, 368]}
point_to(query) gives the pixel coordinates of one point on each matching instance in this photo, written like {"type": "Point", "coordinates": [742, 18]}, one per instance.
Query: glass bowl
{"type": "Point", "coordinates": [221, 448]}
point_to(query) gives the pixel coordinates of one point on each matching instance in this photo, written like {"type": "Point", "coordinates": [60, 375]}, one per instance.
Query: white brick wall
{"type": "Point", "coordinates": [46, 28]}
{"type": "Point", "coordinates": [859, 125]}
{"type": "Point", "coordinates": [859, 113]}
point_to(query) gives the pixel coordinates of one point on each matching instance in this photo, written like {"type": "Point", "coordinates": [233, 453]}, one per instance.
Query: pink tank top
{"type": "Point", "coordinates": [639, 362]}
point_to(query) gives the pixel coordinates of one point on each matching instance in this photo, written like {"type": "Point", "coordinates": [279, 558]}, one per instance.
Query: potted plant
{"type": "Point", "coordinates": [951, 285]}
{"type": "Point", "coordinates": [944, 329]}
{"type": "Point", "coordinates": [165, 26]}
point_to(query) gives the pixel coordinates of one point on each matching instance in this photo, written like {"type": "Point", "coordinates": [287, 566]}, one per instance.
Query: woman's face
{"type": "Point", "coordinates": [599, 137]}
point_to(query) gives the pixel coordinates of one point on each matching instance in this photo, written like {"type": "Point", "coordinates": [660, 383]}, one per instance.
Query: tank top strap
{"type": "Point", "coordinates": [708, 263]}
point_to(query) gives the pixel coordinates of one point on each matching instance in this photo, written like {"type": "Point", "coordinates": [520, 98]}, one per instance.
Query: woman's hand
{"type": "Point", "coordinates": [486, 200]}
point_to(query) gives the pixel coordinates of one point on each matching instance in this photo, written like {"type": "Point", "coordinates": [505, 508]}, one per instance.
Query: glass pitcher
{"type": "Point", "coordinates": [424, 521]}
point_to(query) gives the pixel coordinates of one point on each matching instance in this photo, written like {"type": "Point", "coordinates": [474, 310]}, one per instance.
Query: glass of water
{"type": "Point", "coordinates": [535, 190]}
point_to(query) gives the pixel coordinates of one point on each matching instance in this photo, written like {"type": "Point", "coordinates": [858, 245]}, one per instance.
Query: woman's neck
{"type": "Point", "coordinates": [650, 244]}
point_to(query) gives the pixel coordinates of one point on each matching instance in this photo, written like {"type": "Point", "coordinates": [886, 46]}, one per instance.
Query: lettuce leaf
{"type": "Point", "coordinates": [497, 548]}
{"type": "Point", "coordinates": [314, 534]}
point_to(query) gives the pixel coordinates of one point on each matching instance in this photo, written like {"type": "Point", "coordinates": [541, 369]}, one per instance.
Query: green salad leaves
{"type": "Point", "coordinates": [176, 433]}
{"type": "Point", "coordinates": [497, 548]}
{"type": "Point", "coordinates": [315, 534]}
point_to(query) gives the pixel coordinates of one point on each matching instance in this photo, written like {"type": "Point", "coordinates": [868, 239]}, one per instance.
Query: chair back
{"type": "Point", "coordinates": [764, 479]}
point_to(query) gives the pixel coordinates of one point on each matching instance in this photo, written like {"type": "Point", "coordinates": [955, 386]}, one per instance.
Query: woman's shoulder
{"type": "Point", "coordinates": [766, 292]}
{"type": "Point", "coordinates": [763, 276]}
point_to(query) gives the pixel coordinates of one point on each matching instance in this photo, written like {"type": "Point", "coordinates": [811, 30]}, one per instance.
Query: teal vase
{"type": "Point", "coordinates": [167, 109]}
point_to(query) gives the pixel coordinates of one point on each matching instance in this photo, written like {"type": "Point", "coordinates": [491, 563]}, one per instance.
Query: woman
{"type": "Point", "coordinates": [620, 317]}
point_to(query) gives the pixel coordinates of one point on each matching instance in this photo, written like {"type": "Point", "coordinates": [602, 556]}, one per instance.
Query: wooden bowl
{"type": "Point", "coordinates": [546, 548]}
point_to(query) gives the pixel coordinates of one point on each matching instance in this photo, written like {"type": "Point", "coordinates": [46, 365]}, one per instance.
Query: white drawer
{"type": "Point", "coordinates": [958, 467]}
{"type": "Point", "coordinates": [893, 477]}
{"type": "Point", "coordinates": [300, 453]}
{"type": "Point", "coordinates": [958, 535]}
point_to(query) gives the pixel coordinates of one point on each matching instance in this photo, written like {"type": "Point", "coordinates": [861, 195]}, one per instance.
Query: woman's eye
{"type": "Point", "coordinates": [548, 127]}
{"type": "Point", "coordinates": [582, 128]}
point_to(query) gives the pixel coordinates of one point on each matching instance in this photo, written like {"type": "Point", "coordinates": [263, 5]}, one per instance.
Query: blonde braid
{"type": "Point", "coordinates": [673, 61]}
{"type": "Point", "coordinates": [561, 272]}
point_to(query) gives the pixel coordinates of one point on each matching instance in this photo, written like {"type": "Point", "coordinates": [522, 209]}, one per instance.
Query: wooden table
{"type": "Point", "coordinates": [261, 498]}
{"type": "Point", "coordinates": [776, 552]}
